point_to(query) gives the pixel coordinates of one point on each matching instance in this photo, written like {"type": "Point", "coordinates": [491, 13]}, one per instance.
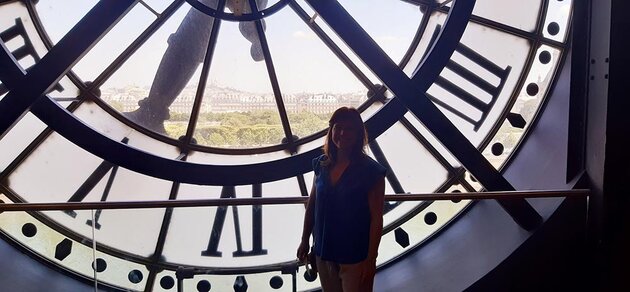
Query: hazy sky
{"type": "Point", "coordinates": [302, 61]}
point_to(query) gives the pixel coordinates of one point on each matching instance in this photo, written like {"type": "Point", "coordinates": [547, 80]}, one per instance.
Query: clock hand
{"type": "Point", "coordinates": [185, 52]}
{"type": "Point", "coordinates": [248, 29]}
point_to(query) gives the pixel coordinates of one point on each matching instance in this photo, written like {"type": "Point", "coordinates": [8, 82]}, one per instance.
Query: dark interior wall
{"type": "Point", "coordinates": [612, 241]}
{"type": "Point", "coordinates": [552, 259]}
{"type": "Point", "coordinates": [21, 272]}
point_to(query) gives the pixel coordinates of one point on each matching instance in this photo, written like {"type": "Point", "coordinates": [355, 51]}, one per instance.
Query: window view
{"type": "Point", "coordinates": [235, 119]}
{"type": "Point", "coordinates": [250, 92]}
{"type": "Point", "coordinates": [251, 85]}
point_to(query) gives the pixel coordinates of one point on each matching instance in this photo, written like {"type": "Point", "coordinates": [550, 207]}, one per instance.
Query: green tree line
{"type": "Point", "coordinates": [245, 129]}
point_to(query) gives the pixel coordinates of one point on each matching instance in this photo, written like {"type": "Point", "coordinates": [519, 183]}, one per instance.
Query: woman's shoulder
{"type": "Point", "coordinates": [320, 158]}
{"type": "Point", "coordinates": [373, 166]}
{"type": "Point", "coordinates": [317, 162]}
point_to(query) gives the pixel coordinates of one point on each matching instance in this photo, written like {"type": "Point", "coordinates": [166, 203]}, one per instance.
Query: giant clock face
{"type": "Point", "coordinates": [198, 99]}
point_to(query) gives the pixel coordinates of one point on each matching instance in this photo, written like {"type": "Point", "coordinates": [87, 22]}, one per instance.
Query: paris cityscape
{"type": "Point", "coordinates": [218, 99]}
{"type": "Point", "coordinates": [231, 118]}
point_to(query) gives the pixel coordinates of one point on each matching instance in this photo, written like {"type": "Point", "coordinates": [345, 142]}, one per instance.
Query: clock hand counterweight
{"type": "Point", "coordinates": [185, 52]}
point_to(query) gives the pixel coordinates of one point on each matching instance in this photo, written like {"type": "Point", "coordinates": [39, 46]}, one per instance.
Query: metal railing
{"type": "Point", "coordinates": [291, 268]}
{"type": "Point", "coordinates": [282, 200]}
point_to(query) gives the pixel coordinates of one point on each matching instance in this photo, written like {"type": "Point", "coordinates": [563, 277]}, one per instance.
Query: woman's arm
{"type": "Point", "coordinates": [376, 201]}
{"type": "Point", "coordinates": [309, 215]}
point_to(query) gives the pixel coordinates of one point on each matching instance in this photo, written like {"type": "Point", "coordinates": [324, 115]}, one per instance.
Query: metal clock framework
{"type": "Point", "coordinates": [444, 117]}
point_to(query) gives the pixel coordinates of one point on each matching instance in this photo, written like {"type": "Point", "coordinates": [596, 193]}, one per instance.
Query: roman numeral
{"type": "Point", "coordinates": [219, 221]}
{"type": "Point", "coordinates": [471, 107]}
{"type": "Point", "coordinates": [27, 49]}
{"type": "Point", "coordinates": [97, 175]}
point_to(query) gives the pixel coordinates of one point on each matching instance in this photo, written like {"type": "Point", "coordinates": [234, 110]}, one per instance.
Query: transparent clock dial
{"type": "Point", "coordinates": [181, 85]}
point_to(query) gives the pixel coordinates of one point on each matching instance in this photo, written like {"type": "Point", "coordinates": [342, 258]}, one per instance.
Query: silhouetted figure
{"type": "Point", "coordinates": [345, 209]}
{"type": "Point", "coordinates": [186, 50]}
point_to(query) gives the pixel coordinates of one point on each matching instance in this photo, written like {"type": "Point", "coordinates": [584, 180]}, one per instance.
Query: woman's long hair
{"type": "Point", "coordinates": [351, 115]}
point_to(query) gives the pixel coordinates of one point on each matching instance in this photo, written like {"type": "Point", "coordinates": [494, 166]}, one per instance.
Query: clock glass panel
{"type": "Point", "coordinates": [246, 89]}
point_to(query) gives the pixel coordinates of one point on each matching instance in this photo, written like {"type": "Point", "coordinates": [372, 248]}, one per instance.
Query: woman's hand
{"type": "Point", "coordinates": [368, 267]}
{"type": "Point", "coordinates": [302, 251]}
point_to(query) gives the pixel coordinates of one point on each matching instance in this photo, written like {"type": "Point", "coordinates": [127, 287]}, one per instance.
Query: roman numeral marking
{"type": "Point", "coordinates": [470, 107]}
{"type": "Point", "coordinates": [24, 51]}
{"type": "Point", "coordinates": [97, 175]}
{"type": "Point", "coordinates": [219, 221]}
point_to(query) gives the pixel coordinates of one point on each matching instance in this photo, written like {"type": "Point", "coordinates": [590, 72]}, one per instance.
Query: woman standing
{"type": "Point", "coordinates": [345, 209]}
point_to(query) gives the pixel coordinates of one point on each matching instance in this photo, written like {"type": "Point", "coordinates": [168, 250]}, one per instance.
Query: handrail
{"type": "Point", "coordinates": [282, 200]}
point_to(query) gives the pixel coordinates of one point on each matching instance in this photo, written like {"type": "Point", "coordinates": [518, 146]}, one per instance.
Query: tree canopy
{"type": "Point", "coordinates": [245, 129]}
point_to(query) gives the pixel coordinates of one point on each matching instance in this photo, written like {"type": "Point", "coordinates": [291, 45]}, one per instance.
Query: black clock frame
{"type": "Point", "coordinates": [377, 125]}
